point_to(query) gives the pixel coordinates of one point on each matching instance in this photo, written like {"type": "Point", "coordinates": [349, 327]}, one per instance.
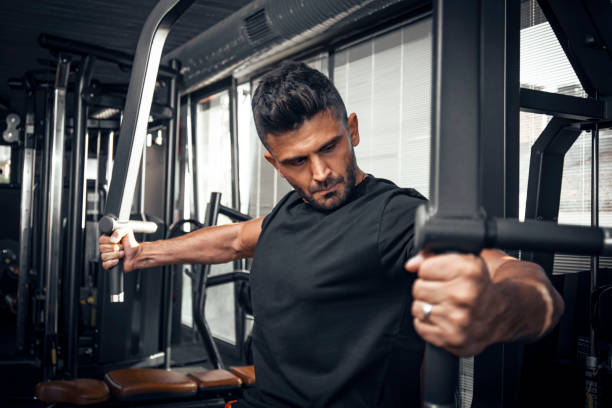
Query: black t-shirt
{"type": "Point", "coordinates": [332, 301]}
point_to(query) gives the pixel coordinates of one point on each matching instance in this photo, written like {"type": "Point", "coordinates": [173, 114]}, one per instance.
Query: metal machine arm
{"type": "Point", "coordinates": [135, 118]}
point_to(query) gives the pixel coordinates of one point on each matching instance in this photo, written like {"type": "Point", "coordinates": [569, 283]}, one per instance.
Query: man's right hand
{"type": "Point", "coordinates": [122, 244]}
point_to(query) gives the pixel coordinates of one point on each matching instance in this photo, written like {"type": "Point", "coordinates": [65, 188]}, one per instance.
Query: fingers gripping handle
{"type": "Point", "coordinates": [108, 224]}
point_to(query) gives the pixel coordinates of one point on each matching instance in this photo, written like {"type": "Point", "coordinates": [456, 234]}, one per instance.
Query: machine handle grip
{"type": "Point", "coordinates": [115, 283]}
{"type": "Point", "coordinates": [441, 370]}
{"type": "Point", "coordinates": [107, 225]}
{"type": "Point", "coordinates": [441, 375]}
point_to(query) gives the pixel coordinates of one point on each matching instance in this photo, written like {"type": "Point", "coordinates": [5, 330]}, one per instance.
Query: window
{"type": "Point", "coordinates": [213, 150]}
{"type": "Point", "coordinates": [213, 166]}
{"type": "Point", "coordinates": [544, 66]}
{"type": "Point", "coordinates": [260, 185]}
{"type": "Point", "coordinates": [5, 164]}
{"type": "Point", "coordinates": [248, 147]}
{"type": "Point", "coordinates": [386, 81]}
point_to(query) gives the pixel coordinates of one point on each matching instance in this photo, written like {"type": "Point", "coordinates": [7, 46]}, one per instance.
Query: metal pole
{"type": "Point", "coordinates": [136, 115]}
{"type": "Point", "coordinates": [54, 214]}
{"type": "Point", "coordinates": [44, 190]}
{"type": "Point", "coordinates": [594, 217]}
{"type": "Point", "coordinates": [592, 363]}
{"type": "Point", "coordinates": [27, 205]}
{"type": "Point", "coordinates": [143, 183]}
{"type": "Point", "coordinates": [193, 135]}
{"type": "Point", "coordinates": [97, 179]}
{"type": "Point", "coordinates": [189, 155]}
{"type": "Point", "coordinates": [76, 216]}
{"type": "Point", "coordinates": [455, 184]}
{"type": "Point", "coordinates": [110, 149]}
{"type": "Point", "coordinates": [171, 150]}
{"type": "Point", "coordinates": [235, 159]}
{"type": "Point", "coordinates": [200, 302]}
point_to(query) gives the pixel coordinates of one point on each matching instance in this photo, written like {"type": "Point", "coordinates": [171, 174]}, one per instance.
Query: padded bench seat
{"type": "Point", "coordinates": [217, 382]}
{"type": "Point", "coordinates": [245, 373]}
{"type": "Point", "coordinates": [215, 378]}
{"type": "Point", "coordinates": [149, 383]}
{"type": "Point", "coordinates": [82, 391]}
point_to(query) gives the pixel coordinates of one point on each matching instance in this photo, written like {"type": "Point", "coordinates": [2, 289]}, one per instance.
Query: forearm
{"type": "Point", "coordinates": [529, 305]}
{"type": "Point", "coordinates": [212, 245]}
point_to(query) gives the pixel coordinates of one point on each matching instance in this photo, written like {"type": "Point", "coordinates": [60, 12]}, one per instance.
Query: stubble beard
{"type": "Point", "coordinates": [349, 185]}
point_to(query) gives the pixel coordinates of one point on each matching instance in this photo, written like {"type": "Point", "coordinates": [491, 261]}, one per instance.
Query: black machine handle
{"type": "Point", "coordinates": [440, 234]}
{"type": "Point", "coordinates": [441, 368]}
{"type": "Point", "coordinates": [107, 225]}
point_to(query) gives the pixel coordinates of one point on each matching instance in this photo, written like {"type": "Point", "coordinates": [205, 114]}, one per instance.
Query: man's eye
{"type": "Point", "coordinates": [297, 162]}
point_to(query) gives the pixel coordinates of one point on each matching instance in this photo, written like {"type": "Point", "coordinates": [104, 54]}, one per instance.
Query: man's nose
{"type": "Point", "coordinates": [320, 170]}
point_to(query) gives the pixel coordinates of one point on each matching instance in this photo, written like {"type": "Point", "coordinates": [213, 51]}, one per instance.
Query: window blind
{"type": "Point", "coordinates": [386, 81]}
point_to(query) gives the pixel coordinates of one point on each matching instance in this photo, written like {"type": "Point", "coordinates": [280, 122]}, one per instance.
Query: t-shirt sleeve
{"type": "Point", "coordinates": [268, 218]}
{"type": "Point", "coordinates": [396, 229]}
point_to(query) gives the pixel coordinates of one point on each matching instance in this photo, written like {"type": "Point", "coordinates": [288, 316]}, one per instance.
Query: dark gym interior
{"type": "Point", "coordinates": [137, 114]}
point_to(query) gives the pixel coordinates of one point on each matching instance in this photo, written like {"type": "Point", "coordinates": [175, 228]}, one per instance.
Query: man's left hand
{"type": "Point", "coordinates": [464, 300]}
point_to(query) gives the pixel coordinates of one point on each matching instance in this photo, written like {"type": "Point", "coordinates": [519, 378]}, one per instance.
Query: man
{"type": "Point", "coordinates": [342, 301]}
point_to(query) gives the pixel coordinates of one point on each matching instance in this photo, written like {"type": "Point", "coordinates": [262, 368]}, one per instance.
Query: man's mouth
{"type": "Point", "coordinates": [328, 190]}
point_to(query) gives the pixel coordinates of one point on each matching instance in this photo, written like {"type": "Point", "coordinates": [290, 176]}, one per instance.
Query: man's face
{"type": "Point", "coordinates": [318, 160]}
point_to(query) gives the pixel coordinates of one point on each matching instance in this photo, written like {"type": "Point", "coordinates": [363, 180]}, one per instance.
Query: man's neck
{"type": "Point", "coordinates": [360, 177]}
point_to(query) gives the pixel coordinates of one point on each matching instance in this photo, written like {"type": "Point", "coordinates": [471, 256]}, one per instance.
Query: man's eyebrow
{"type": "Point", "coordinates": [291, 159]}
{"type": "Point", "coordinates": [331, 142]}
{"type": "Point", "coordinates": [327, 144]}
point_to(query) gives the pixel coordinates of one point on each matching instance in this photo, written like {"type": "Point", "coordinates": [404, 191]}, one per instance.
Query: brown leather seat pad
{"type": "Point", "coordinates": [215, 378]}
{"type": "Point", "coordinates": [82, 391]}
{"type": "Point", "coordinates": [245, 373]}
{"type": "Point", "coordinates": [131, 382]}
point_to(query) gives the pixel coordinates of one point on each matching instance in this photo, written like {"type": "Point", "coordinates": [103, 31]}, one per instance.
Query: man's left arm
{"type": "Point", "coordinates": [478, 301]}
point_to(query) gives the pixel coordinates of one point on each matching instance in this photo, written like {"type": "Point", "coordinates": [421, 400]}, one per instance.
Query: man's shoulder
{"type": "Point", "coordinates": [389, 191]}
{"type": "Point", "coordinates": [289, 198]}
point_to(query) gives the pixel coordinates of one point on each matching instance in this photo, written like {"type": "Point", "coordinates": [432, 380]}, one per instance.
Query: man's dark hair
{"type": "Point", "coordinates": [291, 94]}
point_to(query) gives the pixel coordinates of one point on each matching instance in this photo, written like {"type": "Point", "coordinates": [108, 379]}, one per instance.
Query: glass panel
{"type": "Point", "coordinates": [575, 205]}
{"type": "Point", "coordinates": [387, 82]}
{"type": "Point", "coordinates": [213, 155]}
{"type": "Point", "coordinates": [186, 300]}
{"type": "Point", "coordinates": [544, 65]}
{"type": "Point", "coordinates": [247, 150]}
{"type": "Point", "coordinates": [213, 150]}
{"type": "Point", "coordinates": [605, 178]}
{"type": "Point", "coordinates": [5, 164]}
{"type": "Point", "coordinates": [530, 127]}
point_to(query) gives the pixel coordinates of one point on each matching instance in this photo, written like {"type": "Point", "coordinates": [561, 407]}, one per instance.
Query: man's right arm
{"type": "Point", "coordinates": [212, 245]}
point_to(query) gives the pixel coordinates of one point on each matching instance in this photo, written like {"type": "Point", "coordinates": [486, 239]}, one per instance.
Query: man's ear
{"type": "Point", "coordinates": [353, 125]}
{"type": "Point", "coordinates": [273, 162]}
